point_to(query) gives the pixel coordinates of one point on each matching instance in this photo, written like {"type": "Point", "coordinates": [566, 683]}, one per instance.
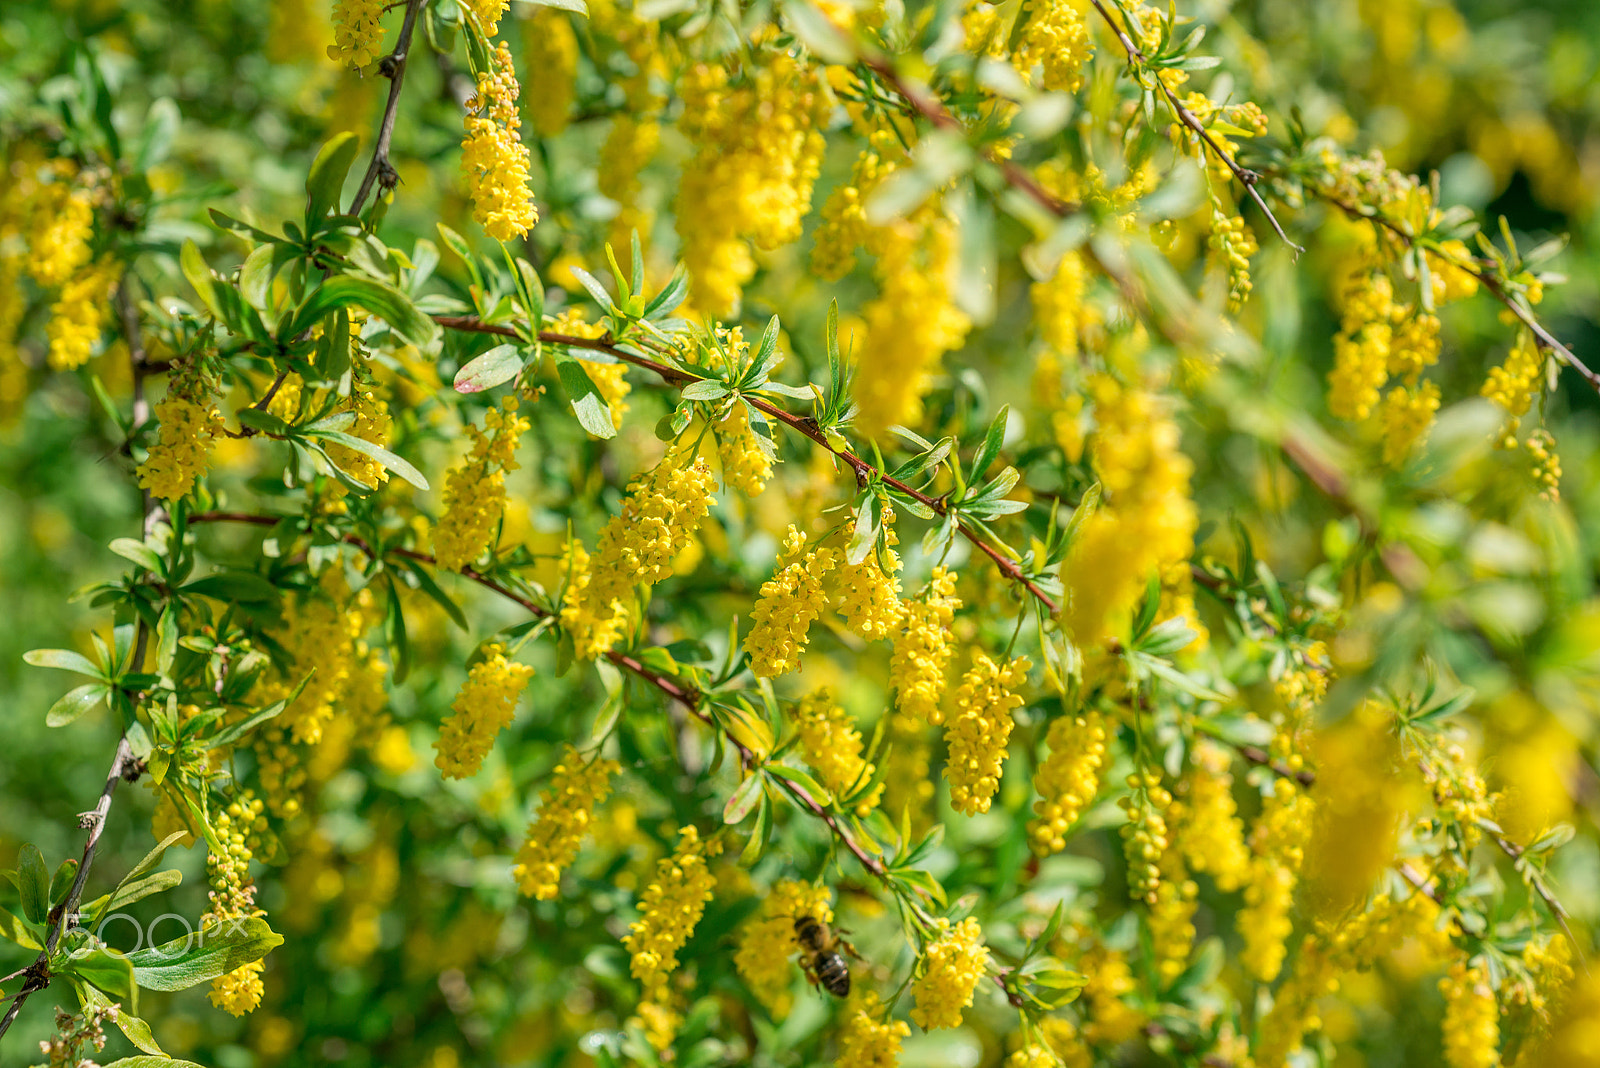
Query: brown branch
{"type": "Point", "coordinates": [394, 66]}
{"type": "Point", "coordinates": [1247, 178]}
{"type": "Point", "coordinates": [801, 424]}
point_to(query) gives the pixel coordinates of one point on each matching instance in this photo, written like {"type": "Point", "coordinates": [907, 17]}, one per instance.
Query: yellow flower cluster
{"type": "Point", "coordinates": [550, 47]}
{"type": "Point", "coordinates": [357, 33]}
{"type": "Point", "coordinates": [488, 13]}
{"type": "Point", "coordinates": [869, 598]}
{"type": "Point", "coordinates": [1406, 415]}
{"type": "Point", "coordinates": [486, 703]}
{"type": "Point", "coordinates": [1147, 521]}
{"type": "Point", "coordinates": [790, 601]}
{"type": "Point", "coordinates": [1056, 38]}
{"type": "Point", "coordinates": [78, 311]}
{"type": "Point", "coordinates": [1513, 384]}
{"type": "Point", "coordinates": [978, 734]}
{"type": "Point", "coordinates": [671, 907]}
{"type": "Point", "coordinates": [1068, 779]}
{"type": "Point", "coordinates": [660, 514]}
{"type": "Point", "coordinates": [1232, 239]}
{"type": "Point", "coordinates": [372, 424]}
{"type": "Point", "coordinates": [832, 746]}
{"type": "Point", "coordinates": [953, 965]}
{"type": "Point", "coordinates": [1110, 978]}
{"type": "Point", "coordinates": [1361, 349]}
{"type": "Point", "coordinates": [576, 789]}
{"type": "Point", "coordinates": [1452, 282]}
{"type": "Point", "coordinates": [1208, 826]}
{"type": "Point", "coordinates": [1144, 836]}
{"type": "Point", "coordinates": [62, 224]}
{"type": "Point", "coordinates": [758, 150]}
{"type": "Point", "coordinates": [1278, 845]}
{"type": "Point", "coordinates": [323, 633]}
{"type": "Point", "coordinates": [923, 648]}
{"type": "Point", "coordinates": [493, 157]}
{"type": "Point", "coordinates": [1058, 308]}
{"type": "Point", "coordinates": [233, 896]}
{"type": "Point", "coordinates": [1545, 464]}
{"type": "Point", "coordinates": [867, 1042]}
{"type": "Point", "coordinates": [1471, 1018]}
{"type": "Point", "coordinates": [182, 449]}
{"type": "Point", "coordinates": [1171, 918]}
{"type": "Point", "coordinates": [767, 942]}
{"type": "Point", "coordinates": [746, 466]}
{"type": "Point", "coordinates": [475, 492]}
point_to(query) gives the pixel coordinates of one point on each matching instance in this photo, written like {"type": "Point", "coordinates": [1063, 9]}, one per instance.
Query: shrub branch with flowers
{"type": "Point", "coordinates": [1024, 485]}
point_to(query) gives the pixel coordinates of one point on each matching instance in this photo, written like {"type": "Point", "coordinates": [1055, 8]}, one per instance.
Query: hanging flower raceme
{"type": "Point", "coordinates": [767, 941]}
{"type": "Point", "coordinates": [1068, 779]}
{"type": "Point", "coordinates": [1513, 384]}
{"type": "Point", "coordinates": [869, 596]}
{"type": "Point", "coordinates": [832, 746]}
{"type": "Point", "coordinates": [357, 33]}
{"type": "Point", "coordinates": [577, 787]}
{"type": "Point", "coordinates": [475, 492]}
{"type": "Point", "coordinates": [923, 649]}
{"type": "Point", "coordinates": [1056, 39]}
{"type": "Point", "coordinates": [865, 1041]}
{"type": "Point", "coordinates": [746, 461]}
{"type": "Point", "coordinates": [1058, 305]}
{"type": "Point", "coordinates": [978, 734]}
{"type": "Point", "coordinates": [671, 908]}
{"type": "Point", "coordinates": [550, 46]}
{"type": "Point", "coordinates": [481, 711]}
{"type": "Point", "coordinates": [1208, 829]}
{"type": "Point", "coordinates": [1144, 836]}
{"type": "Point", "coordinates": [594, 625]}
{"type": "Point", "coordinates": [188, 422]}
{"type": "Point", "coordinates": [233, 897]}
{"type": "Point", "coordinates": [488, 13]}
{"type": "Point", "coordinates": [493, 157]}
{"type": "Point", "coordinates": [1147, 520]}
{"type": "Point", "coordinates": [1471, 1018]}
{"type": "Point", "coordinates": [60, 215]}
{"type": "Point", "coordinates": [78, 312]}
{"type": "Point", "coordinates": [758, 150]}
{"type": "Point", "coordinates": [790, 601]}
{"type": "Point", "coordinates": [953, 965]}
{"type": "Point", "coordinates": [1278, 844]}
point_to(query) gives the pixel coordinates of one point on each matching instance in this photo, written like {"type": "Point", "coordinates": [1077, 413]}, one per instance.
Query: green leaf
{"type": "Point", "coordinates": [377, 452]}
{"type": "Point", "coordinates": [138, 552]}
{"type": "Point", "coordinates": [204, 954]}
{"type": "Point", "coordinates": [379, 298]}
{"type": "Point", "coordinates": [150, 1062]}
{"type": "Point", "coordinates": [75, 703]}
{"type": "Point", "coordinates": [244, 587]}
{"type": "Point", "coordinates": [136, 1029]}
{"type": "Point", "coordinates": [109, 971]}
{"type": "Point", "coordinates": [61, 882]}
{"type": "Point", "coordinates": [594, 415]}
{"type": "Point", "coordinates": [500, 364]}
{"type": "Point", "coordinates": [758, 834]}
{"type": "Point", "coordinates": [12, 928]}
{"type": "Point", "coordinates": [743, 800]}
{"type": "Point", "coordinates": [264, 422]}
{"type": "Point", "coordinates": [818, 792]}
{"type": "Point", "coordinates": [707, 389]}
{"type": "Point", "coordinates": [325, 182]}
{"type": "Point", "coordinates": [593, 285]}
{"type": "Point", "coordinates": [992, 441]}
{"type": "Point", "coordinates": [426, 583]}
{"type": "Point", "coordinates": [134, 890]}
{"type": "Point", "coordinates": [65, 659]}
{"type": "Point", "coordinates": [199, 275]}
{"type": "Point", "coordinates": [231, 734]}
{"type": "Point", "coordinates": [33, 880]}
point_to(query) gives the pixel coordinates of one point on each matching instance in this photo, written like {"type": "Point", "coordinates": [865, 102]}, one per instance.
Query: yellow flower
{"type": "Point", "coordinates": [766, 942]}
{"type": "Point", "coordinates": [475, 492]}
{"type": "Point", "coordinates": [789, 602]}
{"type": "Point", "coordinates": [1146, 522]}
{"type": "Point", "coordinates": [372, 424]}
{"type": "Point", "coordinates": [183, 448]}
{"type": "Point", "coordinates": [1056, 1044]}
{"type": "Point", "coordinates": [481, 710]}
{"type": "Point", "coordinates": [670, 908]}
{"type": "Point", "coordinates": [1414, 347]}
{"type": "Point", "coordinates": [239, 991]}
{"type": "Point", "coordinates": [746, 464]}
{"type": "Point", "coordinates": [1171, 918]}
{"type": "Point", "coordinates": [1058, 308]}
{"type": "Point", "coordinates": [493, 157]}
{"type": "Point", "coordinates": [953, 965]}
{"type": "Point", "coordinates": [1144, 836]}
{"type": "Point", "coordinates": [1057, 38]}
{"type": "Point", "coordinates": [488, 13]}
{"type": "Point", "coordinates": [232, 897]}
{"type": "Point", "coordinates": [550, 47]}
{"type": "Point", "coordinates": [1068, 779]}
{"type": "Point", "coordinates": [1233, 240]}
{"type": "Point", "coordinates": [594, 626]}
{"type": "Point", "coordinates": [1513, 384]}
{"type": "Point", "coordinates": [357, 33]}
{"type": "Point", "coordinates": [1545, 464]}
{"type": "Point", "coordinates": [922, 650]}
{"type": "Point", "coordinates": [758, 150]}
{"type": "Point", "coordinates": [867, 1042]}
{"type": "Point", "coordinates": [62, 223]}
{"type": "Point", "coordinates": [76, 315]}
{"type": "Point", "coordinates": [831, 744]}
{"type": "Point", "coordinates": [978, 734]}
{"type": "Point", "coordinates": [1451, 282]}
{"type": "Point", "coordinates": [1361, 349]}
{"type": "Point", "coordinates": [1209, 830]}
{"type": "Point", "coordinates": [1471, 1018]}
{"type": "Point", "coordinates": [1111, 1021]}
{"type": "Point", "coordinates": [1407, 413]}
{"type": "Point", "coordinates": [869, 598]}
{"type": "Point", "coordinates": [576, 789]}
{"type": "Point", "coordinates": [1278, 843]}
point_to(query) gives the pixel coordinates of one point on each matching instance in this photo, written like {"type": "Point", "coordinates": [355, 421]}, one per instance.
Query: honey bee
{"type": "Point", "coordinates": [820, 956]}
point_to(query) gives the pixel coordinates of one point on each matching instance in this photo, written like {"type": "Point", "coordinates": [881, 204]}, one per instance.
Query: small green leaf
{"type": "Point", "coordinates": [244, 587]}
{"type": "Point", "coordinates": [818, 792]}
{"type": "Point", "coordinates": [64, 659]}
{"type": "Point", "coordinates": [149, 1061]}
{"type": "Point", "coordinates": [379, 298]}
{"type": "Point", "coordinates": [707, 389]}
{"type": "Point", "coordinates": [75, 703]}
{"type": "Point", "coordinates": [743, 800]}
{"type": "Point", "coordinates": [204, 954]}
{"type": "Point", "coordinates": [107, 970]}
{"type": "Point", "coordinates": [388, 459]}
{"type": "Point", "coordinates": [61, 882]}
{"type": "Point", "coordinates": [594, 415]}
{"type": "Point", "coordinates": [500, 364]}
{"type": "Point", "coordinates": [992, 441]}
{"type": "Point", "coordinates": [12, 928]}
{"type": "Point", "coordinates": [328, 171]}
{"type": "Point", "coordinates": [33, 881]}
{"type": "Point", "coordinates": [199, 275]}
{"type": "Point", "coordinates": [138, 552]}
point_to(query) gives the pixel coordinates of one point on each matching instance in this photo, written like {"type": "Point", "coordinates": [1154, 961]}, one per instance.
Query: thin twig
{"type": "Point", "coordinates": [1247, 178]}
{"type": "Point", "coordinates": [801, 424]}
{"type": "Point", "coordinates": [393, 65]}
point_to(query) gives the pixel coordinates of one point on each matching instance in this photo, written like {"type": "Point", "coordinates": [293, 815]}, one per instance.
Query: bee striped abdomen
{"type": "Point", "coordinates": [834, 974]}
